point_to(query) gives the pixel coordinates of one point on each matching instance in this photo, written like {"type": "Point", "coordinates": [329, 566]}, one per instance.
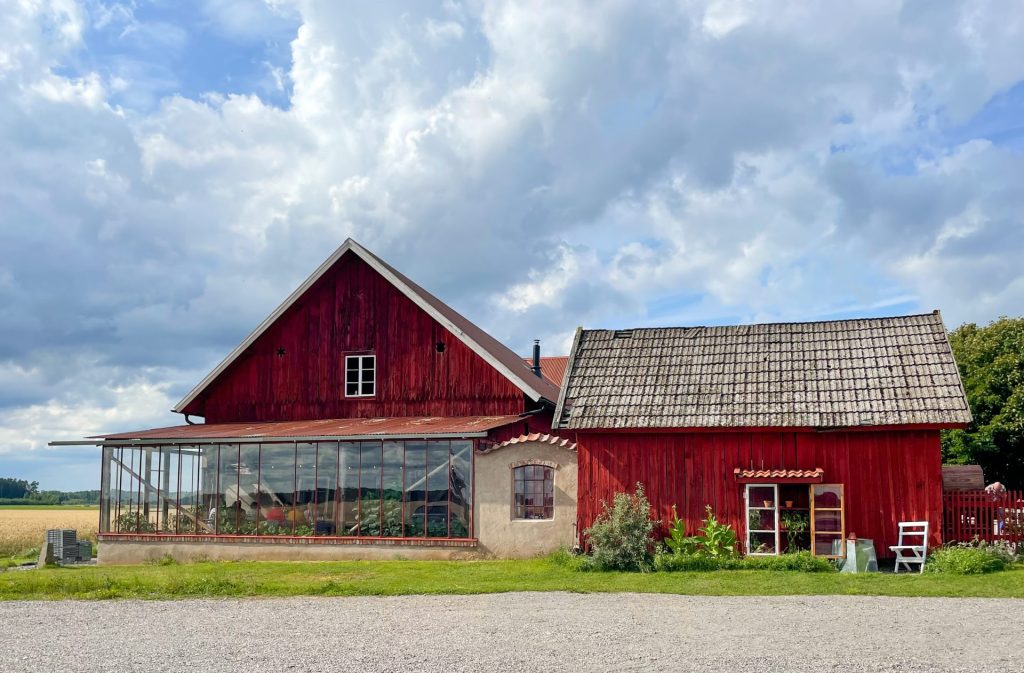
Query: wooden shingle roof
{"type": "Point", "coordinates": [843, 373]}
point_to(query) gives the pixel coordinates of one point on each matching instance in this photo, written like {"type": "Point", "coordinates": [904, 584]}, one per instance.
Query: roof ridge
{"type": "Point", "coordinates": [767, 324]}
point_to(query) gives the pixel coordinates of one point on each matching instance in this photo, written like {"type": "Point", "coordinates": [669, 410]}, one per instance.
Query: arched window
{"type": "Point", "coordinates": [534, 492]}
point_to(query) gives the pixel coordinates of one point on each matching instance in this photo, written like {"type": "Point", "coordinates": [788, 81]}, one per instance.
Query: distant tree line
{"type": "Point", "coordinates": [17, 488]}
{"type": "Point", "coordinates": [991, 361]}
{"type": "Point", "coordinates": [22, 492]}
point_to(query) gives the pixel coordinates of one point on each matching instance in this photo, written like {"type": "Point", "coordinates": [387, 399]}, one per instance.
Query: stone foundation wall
{"type": "Point", "coordinates": [126, 552]}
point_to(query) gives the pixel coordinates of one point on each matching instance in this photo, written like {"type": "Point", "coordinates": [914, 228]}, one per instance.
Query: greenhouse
{"type": "Point", "coordinates": [326, 489]}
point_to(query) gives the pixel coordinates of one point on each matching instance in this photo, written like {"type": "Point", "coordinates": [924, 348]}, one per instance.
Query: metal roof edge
{"type": "Point", "coordinates": [243, 439]}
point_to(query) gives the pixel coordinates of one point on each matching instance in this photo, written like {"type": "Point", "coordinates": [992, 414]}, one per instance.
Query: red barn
{"type": "Point", "coordinates": [835, 423]}
{"type": "Point", "coordinates": [366, 418]}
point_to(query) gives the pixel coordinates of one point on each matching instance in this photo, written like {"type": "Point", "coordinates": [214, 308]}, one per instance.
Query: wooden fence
{"type": "Point", "coordinates": [967, 515]}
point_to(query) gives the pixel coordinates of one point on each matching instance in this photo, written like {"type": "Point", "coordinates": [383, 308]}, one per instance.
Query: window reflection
{"type": "Point", "coordinates": [369, 489]}
{"type": "Point", "coordinates": [349, 476]}
{"type": "Point", "coordinates": [415, 488]}
{"type": "Point", "coordinates": [462, 487]}
{"type": "Point", "coordinates": [438, 479]}
{"type": "Point", "coordinates": [393, 487]}
{"type": "Point", "coordinates": [326, 496]}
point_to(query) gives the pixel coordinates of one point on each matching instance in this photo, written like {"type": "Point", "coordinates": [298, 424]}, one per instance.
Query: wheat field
{"type": "Point", "coordinates": [25, 529]}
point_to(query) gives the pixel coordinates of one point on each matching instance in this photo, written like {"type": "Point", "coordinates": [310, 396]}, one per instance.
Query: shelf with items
{"type": "Point", "coordinates": [762, 536]}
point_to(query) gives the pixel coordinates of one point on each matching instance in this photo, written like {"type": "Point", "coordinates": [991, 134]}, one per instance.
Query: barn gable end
{"type": "Point", "coordinates": [430, 361]}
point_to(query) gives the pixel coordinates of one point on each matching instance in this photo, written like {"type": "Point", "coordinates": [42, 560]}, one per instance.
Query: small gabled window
{"type": "Point", "coordinates": [360, 375]}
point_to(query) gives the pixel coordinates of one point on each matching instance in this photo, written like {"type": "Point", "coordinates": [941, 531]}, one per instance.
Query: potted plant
{"type": "Point", "coordinates": [789, 504]}
{"type": "Point", "coordinates": [768, 504]}
{"type": "Point", "coordinates": [795, 523]}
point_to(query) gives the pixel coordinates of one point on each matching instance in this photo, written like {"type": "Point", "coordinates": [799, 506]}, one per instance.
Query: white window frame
{"type": "Point", "coordinates": [360, 368]}
{"type": "Point", "coordinates": [774, 510]}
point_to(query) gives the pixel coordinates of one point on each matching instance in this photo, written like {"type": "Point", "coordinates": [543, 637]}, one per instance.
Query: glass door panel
{"type": "Point", "coordinates": [827, 519]}
{"type": "Point", "coordinates": [828, 544]}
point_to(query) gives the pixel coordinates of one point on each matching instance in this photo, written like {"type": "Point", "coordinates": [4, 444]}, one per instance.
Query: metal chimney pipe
{"type": "Point", "coordinates": [536, 357]}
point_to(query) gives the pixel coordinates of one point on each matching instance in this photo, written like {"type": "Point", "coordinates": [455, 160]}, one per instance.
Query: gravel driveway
{"type": "Point", "coordinates": [516, 632]}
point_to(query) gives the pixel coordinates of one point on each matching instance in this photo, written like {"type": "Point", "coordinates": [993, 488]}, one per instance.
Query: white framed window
{"type": "Point", "coordinates": [762, 519]}
{"type": "Point", "coordinates": [360, 375]}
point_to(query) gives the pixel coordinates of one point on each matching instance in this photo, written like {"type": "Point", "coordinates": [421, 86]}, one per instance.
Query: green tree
{"type": "Point", "coordinates": [991, 361]}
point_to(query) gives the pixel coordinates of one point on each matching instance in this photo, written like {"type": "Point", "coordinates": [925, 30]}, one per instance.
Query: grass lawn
{"type": "Point", "coordinates": [391, 578]}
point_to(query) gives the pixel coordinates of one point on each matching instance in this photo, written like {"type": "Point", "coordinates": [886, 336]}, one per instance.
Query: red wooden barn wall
{"type": "Point", "coordinates": [540, 422]}
{"type": "Point", "coordinates": [352, 308]}
{"type": "Point", "coordinates": [889, 476]}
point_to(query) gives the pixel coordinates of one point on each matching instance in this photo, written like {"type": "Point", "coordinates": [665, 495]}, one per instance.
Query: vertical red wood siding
{"type": "Point", "coordinates": [890, 475]}
{"type": "Point", "coordinates": [353, 309]}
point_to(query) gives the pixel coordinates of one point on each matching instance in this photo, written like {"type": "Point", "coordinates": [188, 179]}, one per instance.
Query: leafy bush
{"type": "Point", "coordinates": [677, 541]}
{"type": "Point", "coordinates": [717, 539]}
{"type": "Point", "coordinates": [620, 538]}
{"type": "Point", "coordinates": [1007, 551]}
{"type": "Point", "coordinates": [965, 560]}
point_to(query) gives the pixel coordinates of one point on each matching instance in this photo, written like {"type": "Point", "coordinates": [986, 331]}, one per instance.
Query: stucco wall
{"type": "Point", "coordinates": [122, 552]}
{"type": "Point", "coordinates": [501, 536]}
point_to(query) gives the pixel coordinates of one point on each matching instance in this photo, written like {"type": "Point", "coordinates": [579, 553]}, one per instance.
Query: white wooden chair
{"type": "Point", "coordinates": [908, 553]}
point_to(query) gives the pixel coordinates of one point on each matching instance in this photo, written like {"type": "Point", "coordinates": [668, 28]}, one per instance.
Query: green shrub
{"type": "Point", "coordinates": [801, 561]}
{"type": "Point", "coordinates": [696, 562]}
{"type": "Point", "coordinates": [620, 538]}
{"type": "Point", "coordinates": [964, 561]}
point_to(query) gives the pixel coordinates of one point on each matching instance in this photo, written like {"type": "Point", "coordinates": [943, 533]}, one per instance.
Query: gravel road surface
{"type": "Point", "coordinates": [516, 632]}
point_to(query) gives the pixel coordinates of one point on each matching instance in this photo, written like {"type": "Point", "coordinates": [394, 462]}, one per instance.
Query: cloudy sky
{"type": "Point", "coordinates": [170, 170]}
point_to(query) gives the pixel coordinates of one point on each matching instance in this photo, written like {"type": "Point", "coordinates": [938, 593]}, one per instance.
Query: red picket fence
{"type": "Point", "coordinates": [967, 515]}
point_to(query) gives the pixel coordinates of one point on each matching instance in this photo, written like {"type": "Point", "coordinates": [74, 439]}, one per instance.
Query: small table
{"type": "Point", "coordinates": [860, 556]}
